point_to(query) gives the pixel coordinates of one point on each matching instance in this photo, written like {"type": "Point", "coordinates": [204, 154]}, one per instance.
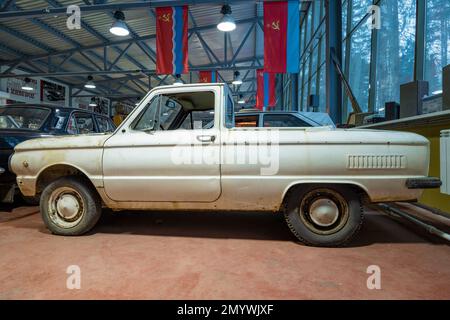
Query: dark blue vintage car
{"type": "Point", "coordinates": [23, 122]}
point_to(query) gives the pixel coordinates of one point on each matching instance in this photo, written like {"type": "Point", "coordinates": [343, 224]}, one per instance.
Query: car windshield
{"type": "Point", "coordinates": [28, 118]}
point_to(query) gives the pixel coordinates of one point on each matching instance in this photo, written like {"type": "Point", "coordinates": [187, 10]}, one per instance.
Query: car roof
{"type": "Point", "coordinates": [50, 106]}
{"type": "Point", "coordinates": [244, 113]}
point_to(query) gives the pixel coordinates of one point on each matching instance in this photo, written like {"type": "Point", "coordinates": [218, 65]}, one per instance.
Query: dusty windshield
{"type": "Point", "coordinates": [22, 118]}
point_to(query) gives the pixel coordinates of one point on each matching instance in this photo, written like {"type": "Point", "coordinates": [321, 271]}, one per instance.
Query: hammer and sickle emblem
{"type": "Point", "coordinates": [165, 17]}
{"type": "Point", "coordinates": [276, 25]}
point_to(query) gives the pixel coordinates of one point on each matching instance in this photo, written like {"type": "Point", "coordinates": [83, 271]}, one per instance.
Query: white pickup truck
{"type": "Point", "coordinates": [162, 158]}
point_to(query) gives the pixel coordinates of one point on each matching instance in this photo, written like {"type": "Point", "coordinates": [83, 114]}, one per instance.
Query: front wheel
{"type": "Point", "coordinates": [70, 206]}
{"type": "Point", "coordinates": [324, 216]}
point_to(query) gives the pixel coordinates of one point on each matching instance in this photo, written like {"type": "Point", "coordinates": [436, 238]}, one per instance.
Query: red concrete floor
{"type": "Point", "coordinates": [214, 256]}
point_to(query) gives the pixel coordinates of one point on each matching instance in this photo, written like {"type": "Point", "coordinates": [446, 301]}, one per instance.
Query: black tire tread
{"type": "Point", "coordinates": [93, 204]}
{"type": "Point", "coordinates": [345, 241]}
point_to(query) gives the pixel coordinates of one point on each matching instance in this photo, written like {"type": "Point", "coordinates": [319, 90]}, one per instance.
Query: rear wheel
{"type": "Point", "coordinates": [324, 216]}
{"type": "Point", "coordinates": [70, 206]}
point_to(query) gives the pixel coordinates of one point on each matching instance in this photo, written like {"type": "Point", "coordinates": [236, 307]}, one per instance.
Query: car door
{"type": "Point", "coordinates": [144, 165]}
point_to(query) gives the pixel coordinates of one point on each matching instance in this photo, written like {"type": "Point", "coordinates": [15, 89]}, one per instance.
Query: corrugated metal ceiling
{"type": "Point", "coordinates": [141, 21]}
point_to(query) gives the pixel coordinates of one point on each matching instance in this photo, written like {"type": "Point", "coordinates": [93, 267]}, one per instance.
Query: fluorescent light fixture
{"type": "Point", "coordinates": [241, 100]}
{"type": "Point", "coordinates": [227, 22]}
{"type": "Point", "coordinates": [27, 85]}
{"type": "Point", "coordinates": [237, 78]}
{"type": "Point", "coordinates": [92, 103]}
{"type": "Point", "coordinates": [90, 84]}
{"type": "Point", "coordinates": [437, 92]}
{"type": "Point", "coordinates": [119, 27]}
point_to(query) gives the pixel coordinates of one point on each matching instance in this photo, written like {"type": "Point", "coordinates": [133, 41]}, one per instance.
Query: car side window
{"type": "Point", "coordinates": [104, 124]}
{"type": "Point", "coordinates": [72, 126]}
{"type": "Point", "coordinates": [229, 113]}
{"type": "Point", "coordinates": [283, 121]}
{"type": "Point", "coordinates": [146, 121]}
{"type": "Point", "coordinates": [199, 120]}
{"type": "Point", "coordinates": [85, 123]}
{"type": "Point", "coordinates": [249, 121]}
{"type": "Point", "coordinates": [170, 109]}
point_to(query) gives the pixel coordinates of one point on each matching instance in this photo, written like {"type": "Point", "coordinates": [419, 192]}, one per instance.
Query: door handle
{"type": "Point", "coordinates": [206, 138]}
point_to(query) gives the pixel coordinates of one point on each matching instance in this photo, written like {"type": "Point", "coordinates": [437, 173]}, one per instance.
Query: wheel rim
{"type": "Point", "coordinates": [324, 211]}
{"type": "Point", "coordinates": [66, 207]}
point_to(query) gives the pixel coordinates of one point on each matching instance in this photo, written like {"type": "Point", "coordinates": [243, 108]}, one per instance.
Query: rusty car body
{"type": "Point", "coordinates": [319, 178]}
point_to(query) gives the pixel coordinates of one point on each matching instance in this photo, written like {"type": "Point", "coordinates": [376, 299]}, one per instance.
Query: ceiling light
{"type": "Point", "coordinates": [437, 92]}
{"type": "Point", "coordinates": [179, 81]}
{"type": "Point", "coordinates": [27, 85]}
{"type": "Point", "coordinates": [92, 103]}
{"type": "Point", "coordinates": [241, 99]}
{"type": "Point", "coordinates": [237, 78]}
{"type": "Point", "coordinates": [90, 84]}
{"type": "Point", "coordinates": [227, 22]}
{"type": "Point", "coordinates": [119, 27]}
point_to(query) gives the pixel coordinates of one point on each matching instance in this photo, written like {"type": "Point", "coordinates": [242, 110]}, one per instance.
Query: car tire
{"type": "Point", "coordinates": [70, 206]}
{"type": "Point", "coordinates": [324, 216]}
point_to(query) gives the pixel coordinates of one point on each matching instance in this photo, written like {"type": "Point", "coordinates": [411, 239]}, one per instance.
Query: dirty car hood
{"type": "Point", "coordinates": [66, 142]}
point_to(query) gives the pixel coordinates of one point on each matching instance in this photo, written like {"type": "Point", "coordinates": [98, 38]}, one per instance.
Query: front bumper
{"type": "Point", "coordinates": [423, 183]}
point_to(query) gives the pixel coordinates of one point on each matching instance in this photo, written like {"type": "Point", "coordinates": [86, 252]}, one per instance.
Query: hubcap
{"type": "Point", "coordinates": [67, 206]}
{"type": "Point", "coordinates": [324, 212]}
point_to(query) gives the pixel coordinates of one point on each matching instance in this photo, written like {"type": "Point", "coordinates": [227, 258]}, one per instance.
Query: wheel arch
{"type": "Point", "coordinates": [364, 194]}
{"type": "Point", "coordinates": [58, 170]}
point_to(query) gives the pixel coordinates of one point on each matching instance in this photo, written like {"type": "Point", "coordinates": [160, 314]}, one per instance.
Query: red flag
{"type": "Point", "coordinates": [266, 89]}
{"type": "Point", "coordinates": [172, 40]}
{"type": "Point", "coordinates": [207, 76]}
{"type": "Point", "coordinates": [281, 36]}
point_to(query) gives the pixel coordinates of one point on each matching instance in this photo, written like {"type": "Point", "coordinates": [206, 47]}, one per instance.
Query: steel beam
{"type": "Point", "coordinates": [113, 43]}
{"type": "Point", "coordinates": [334, 43]}
{"type": "Point", "coordinates": [145, 72]}
{"type": "Point", "coordinates": [244, 40]}
{"type": "Point", "coordinates": [124, 6]}
{"type": "Point", "coordinates": [119, 57]}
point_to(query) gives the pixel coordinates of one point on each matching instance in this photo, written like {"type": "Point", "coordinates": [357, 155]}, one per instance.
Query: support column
{"type": "Point", "coordinates": [419, 57]}
{"type": "Point", "coordinates": [334, 41]}
{"type": "Point", "coordinates": [294, 92]}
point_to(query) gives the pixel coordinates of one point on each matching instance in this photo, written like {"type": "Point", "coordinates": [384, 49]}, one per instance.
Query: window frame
{"type": "Point", "coordinates": [134, 117]}
{"type": "Point", "coordinates": [284, 115]}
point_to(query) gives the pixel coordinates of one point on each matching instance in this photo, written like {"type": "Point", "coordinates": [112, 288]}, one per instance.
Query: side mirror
{"type": "Point", "coordinates": [171, 104]}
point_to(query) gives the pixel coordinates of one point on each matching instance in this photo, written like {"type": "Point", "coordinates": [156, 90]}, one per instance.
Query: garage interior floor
{"type": "Point", "coordinates": [153, 255]}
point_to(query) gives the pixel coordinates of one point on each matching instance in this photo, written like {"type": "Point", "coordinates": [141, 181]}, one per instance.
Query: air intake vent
{"type": "Point", "coordinates": [376, 162]}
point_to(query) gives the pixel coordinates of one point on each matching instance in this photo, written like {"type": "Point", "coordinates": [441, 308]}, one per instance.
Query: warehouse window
{"type": "Point", "coordinates": [437, 50]}
{"type": "Point", "coordinates": [395, 50]}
